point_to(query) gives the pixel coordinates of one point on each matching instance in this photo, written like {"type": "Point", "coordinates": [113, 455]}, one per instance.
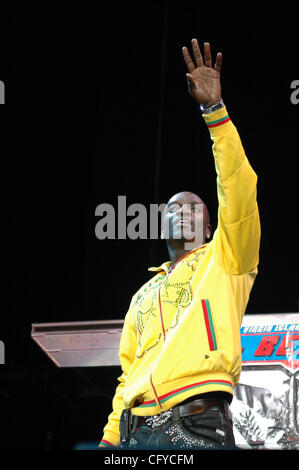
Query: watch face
{"type": "Point", "coordinates": [212, 108]}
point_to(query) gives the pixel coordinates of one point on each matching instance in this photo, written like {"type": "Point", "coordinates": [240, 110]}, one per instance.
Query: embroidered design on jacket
{"type": "Point", "coordinates": [177, 296]}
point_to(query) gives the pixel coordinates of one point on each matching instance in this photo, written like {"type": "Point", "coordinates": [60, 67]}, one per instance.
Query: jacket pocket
{"type": "Point", "coordinates": [209, 324]}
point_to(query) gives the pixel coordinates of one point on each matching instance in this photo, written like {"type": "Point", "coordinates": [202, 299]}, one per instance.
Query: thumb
{"type": "Point", "coordinates": [192, 84]}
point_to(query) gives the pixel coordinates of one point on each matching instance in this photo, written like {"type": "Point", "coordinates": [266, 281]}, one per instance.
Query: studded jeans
{"type": "Point", "coordinates": [209, 430]}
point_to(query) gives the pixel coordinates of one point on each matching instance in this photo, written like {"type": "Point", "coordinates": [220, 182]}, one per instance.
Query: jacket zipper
{"type": "Point", "coordinates": [159, 292]}
{"type": "Point", "coordinates": [164, 336]}
{"type": "Point", "coordinates": [155, 393]}
{"type": "Point", "coordinates": [161, 316]}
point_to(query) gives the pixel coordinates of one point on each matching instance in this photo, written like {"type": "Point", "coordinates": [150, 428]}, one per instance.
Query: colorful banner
{"type": "Point", "coordinates": [265, 408]}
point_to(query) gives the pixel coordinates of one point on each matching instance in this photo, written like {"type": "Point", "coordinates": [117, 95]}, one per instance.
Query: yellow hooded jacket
{"type": "Point", "coordinates": [181, 335]}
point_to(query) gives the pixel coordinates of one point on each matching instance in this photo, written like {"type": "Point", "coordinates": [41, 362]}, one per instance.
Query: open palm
{"type": "Point", "coordinates": [203, 79]}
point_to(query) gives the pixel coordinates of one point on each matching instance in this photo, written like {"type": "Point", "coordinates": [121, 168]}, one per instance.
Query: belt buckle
{"type": "Point", "coordinates": [158, 420]}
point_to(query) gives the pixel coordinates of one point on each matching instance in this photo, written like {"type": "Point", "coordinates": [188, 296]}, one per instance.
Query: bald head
{"type": "Point", "coordinates": [187, 197]}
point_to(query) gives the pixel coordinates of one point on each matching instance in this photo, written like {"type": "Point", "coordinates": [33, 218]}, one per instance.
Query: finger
{"type": "Point", "coordinates": [218, 63]}
{"type": "Point", "coordinates": [188, 83]}
{"type": "Point", "coordinates": [188, 61]}
{"type": "Point", "coordinates": [192, 84]}
{"type": "Point", "coordinates": [197, 53]}
{"type": "Point", "coordinates": [208, 56]}
{"type": "Point", "coordinates": [191, 80]}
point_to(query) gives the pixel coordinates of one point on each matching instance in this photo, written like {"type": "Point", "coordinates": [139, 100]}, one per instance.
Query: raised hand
{"type": "Point", "coordinates": [203, 79]}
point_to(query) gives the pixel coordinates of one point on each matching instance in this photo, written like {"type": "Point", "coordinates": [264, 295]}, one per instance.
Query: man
{"type": "Point", "coordinates": [180, 348]}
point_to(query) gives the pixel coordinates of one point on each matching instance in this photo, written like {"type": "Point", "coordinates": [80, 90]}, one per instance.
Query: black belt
{"type": "Point", "coordinates": [129, 423]}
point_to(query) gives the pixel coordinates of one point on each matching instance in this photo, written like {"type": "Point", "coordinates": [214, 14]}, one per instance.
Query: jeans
{"type": "Point", "coordinates": [209, 430]}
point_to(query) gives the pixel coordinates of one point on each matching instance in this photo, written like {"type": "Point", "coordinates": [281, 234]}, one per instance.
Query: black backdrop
{"type": "Point", "coordinates": [97, 107]}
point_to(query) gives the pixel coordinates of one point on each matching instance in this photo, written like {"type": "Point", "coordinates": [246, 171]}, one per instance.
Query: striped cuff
{"type": "Point", "coordinates": [219, 122]}
{"type": "Point", "coordinates": [105, 443]}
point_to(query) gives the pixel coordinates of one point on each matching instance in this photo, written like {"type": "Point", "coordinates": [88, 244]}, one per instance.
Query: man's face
{"type": "Point", "coordinates": [185, 218]}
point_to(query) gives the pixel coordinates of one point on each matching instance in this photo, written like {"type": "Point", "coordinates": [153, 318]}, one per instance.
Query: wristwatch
{"type": "Point", "coordinates": [213, 108]}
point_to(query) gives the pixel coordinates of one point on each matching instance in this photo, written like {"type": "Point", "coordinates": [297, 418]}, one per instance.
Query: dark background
{"type": "Point", "coordinates": [96, 107]}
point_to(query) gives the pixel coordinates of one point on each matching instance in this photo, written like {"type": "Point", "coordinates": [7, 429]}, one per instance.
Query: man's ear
{"type": "Point", "coordinates": [209, 231]}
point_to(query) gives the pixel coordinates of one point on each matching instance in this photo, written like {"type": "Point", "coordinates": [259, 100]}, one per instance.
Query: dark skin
{"type": "Point", "coordinates": [203, 79]}
{"type": "Point", "coordinates": [205, 88]}
{"type": "Point", "coordinates": [182, 212]}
